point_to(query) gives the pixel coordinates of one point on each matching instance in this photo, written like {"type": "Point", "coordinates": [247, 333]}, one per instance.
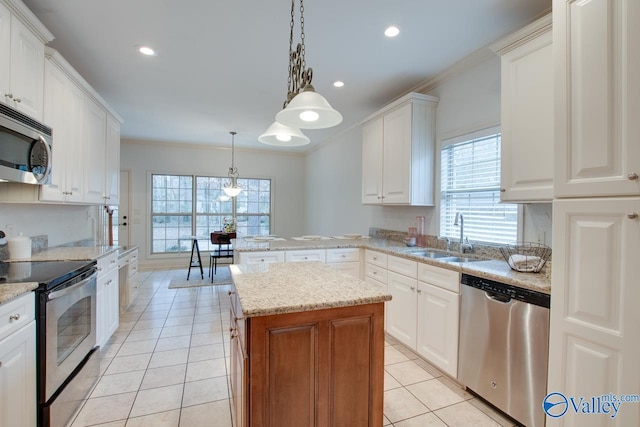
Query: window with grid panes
{"type": "Point", "coordinates": [470, 184]}
{"type": "Point", "coordinates": [184, 206]}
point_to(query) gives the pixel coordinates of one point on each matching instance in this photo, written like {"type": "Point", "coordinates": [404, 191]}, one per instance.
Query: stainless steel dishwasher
{"type": "Point", "coordinates": [504, 346]}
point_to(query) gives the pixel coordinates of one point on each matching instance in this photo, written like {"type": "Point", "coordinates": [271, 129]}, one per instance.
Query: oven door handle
{"type": "Point", "coordinates": [65, 291]}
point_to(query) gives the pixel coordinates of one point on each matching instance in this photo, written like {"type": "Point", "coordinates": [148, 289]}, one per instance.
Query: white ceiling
{"type": "Point", "coordinates": [222, 65]}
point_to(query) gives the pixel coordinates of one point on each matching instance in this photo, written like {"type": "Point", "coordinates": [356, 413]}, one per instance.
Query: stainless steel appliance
{"type": "Point", "coordinates": [25, 148]}
{"type": "Point", "coordinates": [67, 362]}
{"type": "Point", "coordinates": [504, 346]}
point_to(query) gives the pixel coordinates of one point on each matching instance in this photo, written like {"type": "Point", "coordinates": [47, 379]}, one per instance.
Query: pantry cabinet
{"type": "Point", "coordinates": [112, 161]}
{"type": "Point", "coordinates": [398, 150]}
{"type": "Point", "coordinates": [22, 59]}
{"type": "Point", "coordinates": [95, 133]}
{"type": "Point", "coordinates": [527, 113]}
{"type": "Point", "coordinates": [597, 82]}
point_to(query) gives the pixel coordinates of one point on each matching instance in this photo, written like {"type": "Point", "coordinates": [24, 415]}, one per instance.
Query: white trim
{"type": "Point", "coordinates": [524, 35]}
{"type": "Point", "coordinates": [29, 19]}
{"type": "Point", "coordinates": [480, 133]}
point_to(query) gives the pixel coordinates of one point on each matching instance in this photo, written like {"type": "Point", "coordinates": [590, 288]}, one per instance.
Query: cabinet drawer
{"type": "Point", "coordinates": [403, 266]}
{"type": "Point", "coordinates": [375, 272]}
{"type": "Point", "coordinates": [376, 258]}
{"type": "Point", "coordinates": [352, 268]}
{"type": "Point", "coordinates": [261, 257]}
{"type": "Point", "coordinates": [107, 262]}
{"type": "Point", "coordinates": [16, 313]}
{"type": "Point", "coordinates": [440, 277]}
{"type": "Point", "coordinates": [343, 255]}
{"type": "Point", "coordinates": [310, 255]}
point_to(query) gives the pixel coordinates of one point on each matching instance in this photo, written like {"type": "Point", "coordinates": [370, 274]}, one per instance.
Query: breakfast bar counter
{"type": "Point", "coordinates": [307, 346]}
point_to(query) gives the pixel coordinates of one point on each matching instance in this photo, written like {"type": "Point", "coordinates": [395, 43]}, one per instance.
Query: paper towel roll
{"type": "Point", "coordinates": [19, 247]}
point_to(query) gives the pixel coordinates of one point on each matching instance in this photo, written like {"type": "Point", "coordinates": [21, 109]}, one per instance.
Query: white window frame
{"type": "Point", "coordinates": [455, 138]}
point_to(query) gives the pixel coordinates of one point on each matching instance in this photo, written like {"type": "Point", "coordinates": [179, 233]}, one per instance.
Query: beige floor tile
{"type": "Point", "coordinates": [125, 326]}
{"type": "Point", "coordinates": [428, 367]}
{"type": "Point", "coordinates": [186, 304]}
{"type": "Point", "coordinates": [161, 419]}
{"type": "Point", "coordinates": [204, 318]}
{"type": "Point", "coordinates": [411, 355]}
{"type": "Point", "coordinates": [173, 343]}
{"type": "Point", "coordinates": [209, 390]}
{"type": "Point", "coordinates": [464, 414]}
{"type": "Point", "coordinates": [179, 312]}
{"type": "Point", "coordinates": [489, 410]}
{"type": "Point", "coordinates": [148, 324]}
{"type": "Point", "coordinates": [176, 331]}
{"type": "Point", "coordinates": [408, 373]}
{"type": "Point", "coordinates": [386, 421]}
{"type": "Point", "coordinates": [118, 383]}
{"type": "Point", "coordinates": [160, 306]}
{"type": "Point", "coordinates": [105, 409]}
{"type": "Point", "coordinates": [169, 357]}
{"type": "Point", "coordinates": [390, 382]}
{"type": "Point", "coordinates": [399, 404]}
{"type": "Point", "coordinates": [202, 415]}
{"type": "Point", "coordinates": [206, 352]}
{"type": "Point", "coordinates": [121, 364]}
{"type": "Point", "coordinates": [177, 321]}
{"type": "Point", "coordinates": [455, 387]}
{"type": "Point", "coordinates": [143, 335]}
{"type": "Point", "coordinates": [424, 420]}
{"type": "Point", "coordinates": [206, 339]}
{"type": "Point", "coordinates": [109, 351]}
{"type": "Point", "coordinates": [165, 376]}
{"type": "Point", "coordinates": [104, 364]}
{"type": "Point", "coordinates": [120, 423]}
{"type": "Point", "coordinates": [434, 394]}
{"type": "Point", "coordinates": [137, 347]}
{"type": "Point", "coordinates": [206, 369]}
{"type": "Point", "coordinates": [157, 400]}
{"type": "Point", "coordinates": [391, 355]}
{"type": "Point", "coordinates": [207, 327]}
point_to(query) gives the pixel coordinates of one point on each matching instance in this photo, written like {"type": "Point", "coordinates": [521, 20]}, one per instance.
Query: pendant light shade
{"type": "Point", "coordinates": [232, 189]}
{"type": "Point", "coordinates": [309, 110]}
{"type": "Point", "coordinates": [283, 136]}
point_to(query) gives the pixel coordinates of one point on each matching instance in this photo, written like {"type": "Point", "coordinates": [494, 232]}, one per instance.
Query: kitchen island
{"type": "Point", "coordinates": [307, 347]}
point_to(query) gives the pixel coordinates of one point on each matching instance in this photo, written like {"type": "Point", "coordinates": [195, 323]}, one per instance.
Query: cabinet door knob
{"type": "Point", "coordinates": [632, 215]}
{"type": "Point", "coordinates": [413, 288]}
{"type": "Point", "coordinates": [18, 100]}
{"type": "Point", "coordinates": [632, 176]}
{"type": "Point", "coordinates": [503, 190]}
{"type": "Point", "coordinates": [419, 291]}
{"type": "Point", "coordinates": [14, 317]}
{"type": "Point", "coordinates": [8, 95]}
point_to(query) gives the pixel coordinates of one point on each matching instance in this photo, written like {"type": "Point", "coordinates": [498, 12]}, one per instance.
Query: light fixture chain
{"type": "Point", "coordinates": [304, 63]}
{"type": "Point", "coordinates": [289, 87]}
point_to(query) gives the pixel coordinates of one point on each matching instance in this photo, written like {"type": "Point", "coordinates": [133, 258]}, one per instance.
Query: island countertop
{"type": "Point", "coordinates": [278, 288]}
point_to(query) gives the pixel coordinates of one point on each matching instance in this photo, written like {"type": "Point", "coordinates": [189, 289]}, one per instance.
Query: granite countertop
{"type": "Point", "coordinates": [279, 288]}
{"type": "Point", "coordinates": [9, 291]}
{"type": "Point", "coordinates": [493, 269]}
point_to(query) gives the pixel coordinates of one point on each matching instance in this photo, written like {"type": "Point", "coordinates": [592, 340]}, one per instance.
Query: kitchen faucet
{"type": "Point", "coordinates": [464, 245]}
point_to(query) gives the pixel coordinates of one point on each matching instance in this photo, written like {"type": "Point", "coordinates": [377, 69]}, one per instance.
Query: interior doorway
{"type": "Point", "coordinates": [121, 217]}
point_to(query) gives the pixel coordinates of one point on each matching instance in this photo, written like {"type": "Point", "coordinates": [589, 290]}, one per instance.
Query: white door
{"type": "Point", "coordinates": [438, 320]}
{"type": "Point", "coordinates": [372, 143]}
{"type": "Point", "coordinates": [397, 155]}
{"type": "Point", "coordinates": [401, 310]}
{"type": "Point", "coordinates": [594, 345]}
{"type": "Point", "coordinates": [123, 220]}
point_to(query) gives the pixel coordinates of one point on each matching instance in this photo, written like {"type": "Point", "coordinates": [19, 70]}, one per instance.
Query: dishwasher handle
{"type": "Point", "coordinates": [501, 298]}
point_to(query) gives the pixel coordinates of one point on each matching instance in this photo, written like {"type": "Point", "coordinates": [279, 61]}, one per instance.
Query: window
{"type": "Point", "coordinates": [470, 184]}
{"type": "Point", "coordinates": [185, 205]}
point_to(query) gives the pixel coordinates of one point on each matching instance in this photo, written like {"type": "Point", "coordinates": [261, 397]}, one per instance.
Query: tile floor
{"type": "Point", "coordinates": [167, 366]}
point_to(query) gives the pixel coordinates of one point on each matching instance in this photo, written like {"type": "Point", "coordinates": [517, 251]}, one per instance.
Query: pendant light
{"type": "Point", "coordinates": [232, 189]}
{"type": "Point", "coordinates": [304, 108]}
{"type": "Point", "coordinates": [283, 136]}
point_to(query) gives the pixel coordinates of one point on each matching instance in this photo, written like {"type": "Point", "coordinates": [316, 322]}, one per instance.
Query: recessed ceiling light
{"type": "Point", "coordinates": [338, 83]}
{"type": "Point", "coordinates": [391, 31]}
{"type": "Point", "coordinates": [146, 50]}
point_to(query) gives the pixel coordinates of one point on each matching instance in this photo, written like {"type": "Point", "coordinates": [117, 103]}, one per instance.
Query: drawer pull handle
{"type": "Point", "coordinates": [375, 272]}
{"type": "Point", "coordinates": [413, 288]}
{"type": "Point", "coordinates": [14, 317]}
{"type": "Point", "coordinates": [632, 215]}
{"type": "Point", "coordinates": [632, 176]}
{"type": "Point", "coordinates": [419, 291]}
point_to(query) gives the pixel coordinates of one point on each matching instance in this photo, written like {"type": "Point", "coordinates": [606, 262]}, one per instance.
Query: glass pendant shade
{"type": "Point", "coordinates": [283, 136]}
{"type": "Point", "coordinates": [309, 110]}
{"type": "Point", "coordinates": [232, 191]}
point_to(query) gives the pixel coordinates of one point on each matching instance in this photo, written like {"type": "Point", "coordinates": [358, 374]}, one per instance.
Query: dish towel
{"type": "Point", "coordinates": [524, 262]}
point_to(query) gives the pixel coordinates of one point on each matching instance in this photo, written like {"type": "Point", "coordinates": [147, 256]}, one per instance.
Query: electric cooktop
{"type": "Point", "coordinates": [47, 273]}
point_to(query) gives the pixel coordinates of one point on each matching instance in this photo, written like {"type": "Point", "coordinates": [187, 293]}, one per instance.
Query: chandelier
{"type": "Point", "coordinates": [304, 108]}
{"type": "Point", "coordinates": [232, 189]}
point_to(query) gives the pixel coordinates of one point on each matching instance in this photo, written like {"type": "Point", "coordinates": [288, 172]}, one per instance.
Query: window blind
{"type": "Point", "coordinates": [470, 184]}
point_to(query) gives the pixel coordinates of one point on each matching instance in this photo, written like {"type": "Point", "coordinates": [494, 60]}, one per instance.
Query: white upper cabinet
{"type": "Point", "coordinates": [112, 161]}
{"type": "Point", "coordinates": [597, 82]}
{"type": "Point", "coordinates": [22, 40]}
{"type": "Point", "coordinates": [527, 113]}
{"type": "Point", "coordinates": [95, 134]}
{"type": "Point", "coordinates": [398, 153]}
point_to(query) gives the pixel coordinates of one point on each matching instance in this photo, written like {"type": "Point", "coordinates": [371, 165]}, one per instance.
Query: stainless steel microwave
{"type": "Point", "coordinates": [25, 148]}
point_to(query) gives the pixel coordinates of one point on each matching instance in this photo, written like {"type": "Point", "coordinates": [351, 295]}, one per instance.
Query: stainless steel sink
{"type": "Point", "coordinates": [428, 254]}
{"type": "Point", "coordinates": [458, 259]}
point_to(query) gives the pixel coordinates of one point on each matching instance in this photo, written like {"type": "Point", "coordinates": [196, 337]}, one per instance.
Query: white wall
{"type": "Point", "coordinates": [61, 223]}
{"type": "Point", "coordinates": [285, 169]}
{"type": "Point", "coordinates": [469, 100]}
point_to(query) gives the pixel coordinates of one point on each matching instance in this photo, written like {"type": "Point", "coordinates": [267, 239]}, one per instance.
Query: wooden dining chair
{"type": "Point", "coordinates": [222, 249]}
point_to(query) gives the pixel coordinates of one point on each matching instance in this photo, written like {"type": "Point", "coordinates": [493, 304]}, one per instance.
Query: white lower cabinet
{"type": "Point", "coordinates": [402, 309]}
{"type": "Point", "coordinates": [438, 324]}
{"type": "Point", "coordinates": [107, 298]}
{"type": "Point", "coordinates": [306, 255]}
{"type": "Point", "coordinates": [18, 364]}
{"type": "Point", "coordinates": [261, 257]}
{"type": "Point", "coordinates": [345, 259]}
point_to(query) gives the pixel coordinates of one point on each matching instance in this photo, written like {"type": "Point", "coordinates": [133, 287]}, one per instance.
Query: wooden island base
{"type": "Point", "coordinates": [313, 368]}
